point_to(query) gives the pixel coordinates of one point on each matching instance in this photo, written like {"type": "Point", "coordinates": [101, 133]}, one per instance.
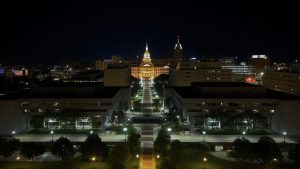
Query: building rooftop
{"type": "Point", "coordinates": [230, 90]}
{"type": "Point", "coordinates": [62, 92]}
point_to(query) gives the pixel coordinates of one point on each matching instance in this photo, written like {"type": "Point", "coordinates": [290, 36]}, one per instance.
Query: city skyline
{"type": "Point", "coordinates": [55, 32]}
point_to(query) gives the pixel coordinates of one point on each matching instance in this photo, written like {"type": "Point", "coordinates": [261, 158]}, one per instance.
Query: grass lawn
{"type": "Point", "coordinates": [71, 164]}
{"type": "Point", "coordinates": [232, 132]}
{"type": "Point", "coordinates": [216, 163]}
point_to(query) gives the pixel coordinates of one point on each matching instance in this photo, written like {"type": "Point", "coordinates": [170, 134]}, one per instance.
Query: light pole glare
{"type": "Point", "coordinates": [169, 129]}
{"type": "Point", "coordinates": [157, 156]}
{"type": "Point", "coordinates": [91, 132]}
{"type": "Point", "coordinates": [244, 132]}
{"type": "Point", "coordinates": [204, 159]}
{"type": "Point", "coordinates": [125, 131]}
{"type": "Point", "coordinates": [13, 132]}
{"type": "Point", "coordinates": [93, 160]}
{"type": "Point", "coordinates": [204, 132]}
{"type": "Point", "coordinates": [284, 135]}
{"type": "Point", "coordinates": [137, 155]}
{"type": "Point", "coordinates": [51, 132]}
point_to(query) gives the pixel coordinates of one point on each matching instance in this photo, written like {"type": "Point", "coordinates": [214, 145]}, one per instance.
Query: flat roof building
{"type": "Point", "coordinates": [83, 106]}
{"type": "Point", "coordinates": [237, 104]}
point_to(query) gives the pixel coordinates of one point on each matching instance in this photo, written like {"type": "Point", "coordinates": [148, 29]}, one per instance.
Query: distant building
{"type": "Point", "coordinates": [227, 61]}
{"type": "Point", "coordinates": [117, 75]}
{"type": "Point", "coordinates": [188, 72]}
{"type": "Point", "coordinates": [101, 65]}
{"type": "Point", "coordinates": [287, 81]}
{"type": "Point", "coordinates": [259, 63]}
{"type": "Point", "coordinates": [91, 76]}
{"type": "Point", "coordinates": [241, 72]}
{"type": "Point", "coordinates": [147, 70]}
{"type": "Point", "coordinates": [116, 59]}
{"type": "Point", "coordinates": [178, 56]}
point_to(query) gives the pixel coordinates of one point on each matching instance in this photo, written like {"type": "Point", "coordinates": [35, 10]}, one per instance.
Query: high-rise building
{"type": "Point", "coordinates": [177, 57]}
{"type": "Point", "coordinates": [259, 64]}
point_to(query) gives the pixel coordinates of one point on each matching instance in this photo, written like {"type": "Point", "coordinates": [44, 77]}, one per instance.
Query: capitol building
{"type": "Point", "coordinates": [147, 70]}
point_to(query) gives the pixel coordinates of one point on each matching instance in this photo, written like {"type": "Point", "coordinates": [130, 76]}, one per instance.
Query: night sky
{"type": "Point", "coordinates": [59, 32]}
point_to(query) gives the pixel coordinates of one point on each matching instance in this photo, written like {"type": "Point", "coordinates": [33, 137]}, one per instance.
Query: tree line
{"type": "Point", "coordinates": [91, 148]}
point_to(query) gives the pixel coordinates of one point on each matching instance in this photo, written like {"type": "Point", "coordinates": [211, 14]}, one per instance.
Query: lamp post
{"type": "Point", "coordinates": [13, 133]}
{"type": "Point", "coordinates": [169, 130]}
{"type": "Point", "coordinates": [93, 161]}
{"type": "Point", "coordinates": [244, 133]}
{"type": "Point", "coordinates": [204, 133]}
{"type": "Point", "coordinates": [125, 131]}
{"type": "Point", "coordinates": [204, 162]}
{"type": "Point", "coordinates": [52, 132]}
{"type": "Point", "coordinates": [18, 159]}
{"type": "Point", "coordinates": [284, 135]}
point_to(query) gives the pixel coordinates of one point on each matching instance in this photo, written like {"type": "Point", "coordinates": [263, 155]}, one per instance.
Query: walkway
{"type": "Point", "coordinates": [147, 107]}
{"type": "Point", "coordinates": [147, 159]}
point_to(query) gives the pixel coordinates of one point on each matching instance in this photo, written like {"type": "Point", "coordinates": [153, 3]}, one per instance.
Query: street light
{"type": "Point", "coordinates": [157, 156]}
{"type": "Point", "coordinates": [204, 160]}
{"type": "Point", "coordinates": [137, 156]}
{"type": "Point", "coordinates": [204, 133]}
{"type": "Point", "coordinates": [284, 135]}
{"type": "Point", "coordinates": [18, 158]}
{"type": "Point", "coordinates": [13, 133]}
{"type": "Point", "coordinates": [244, 133]}
{"type": "Point", "coordinates": [52, 132]}
{"type": "Point", "coordinates": [93, 160]}
{"type": "Point", "coordinates": [169, 130]}
{"type": "Point", "coordinates": [125, 131]}
{"type": "Point", "coordinates": [91, 132]}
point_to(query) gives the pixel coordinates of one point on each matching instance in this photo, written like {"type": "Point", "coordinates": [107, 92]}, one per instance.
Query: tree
{"type": "Point", "coordinates": [93, 147]}
{"type": "Point", "coordinates": [63, 148]}
{"type": "Point", "coordinates": [162, 142]}
{"type": "Point", "coordinates": [134, 142]}
{"type": "Point", "coordinates": [266, 150]}
{"type": "Point", "coordinates": [8, 146]}
{"type": "Point", "coordinates": [31, 150]}
{"type": "Point", "coordinates": [167, 164]}
{"type": "Point", "coordinates": [242, 151]}
{"type": "Point", "coordinates": [175, 153]}
{"type": "Point", "coordinates": [295, 153]}
{"type": "Point", "coordinates": [118, 156]}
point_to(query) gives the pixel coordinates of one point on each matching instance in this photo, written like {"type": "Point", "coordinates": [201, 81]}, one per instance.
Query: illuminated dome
{"type": "Point", "coordinates": [146, 53]}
